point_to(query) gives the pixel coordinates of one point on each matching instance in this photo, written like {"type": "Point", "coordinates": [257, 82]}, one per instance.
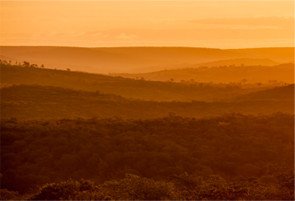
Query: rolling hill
{"type": "Point", "coordinates": [138, 59]}
{"type": "Point", "coordinates": [60, 124]}
{"type": "Point", "coordinates": [223, 74]}
{"type": "Point", "coordinates": [32, 93]}
{"type": "Point", "coordinates": [128, 88]}
{"type": "Point", "coordinates": [26, 102]}
{"type": "Point", "coordinates": [276, 93]}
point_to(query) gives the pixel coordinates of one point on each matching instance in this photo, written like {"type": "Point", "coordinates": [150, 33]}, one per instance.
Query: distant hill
{"type": "Point", "coordinates": [42, 102]}
{"type": "Point", "coordinates": [224, 74]}
{"type": "Point", "coordinates": [227, 62]}
{"type": "Point", "coordinates": [138, 59]}
{"type": "Point", "coordinates": [239, 62]}
{"type": "Point", "coordinates": [128, 88]}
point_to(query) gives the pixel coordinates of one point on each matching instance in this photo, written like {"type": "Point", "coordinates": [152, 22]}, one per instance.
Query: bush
{"type": "Point", "coordinates": [64, 190]}
{"type": "Point", "coordinates": [8, 195]}
{"type": "Point", "coordinates": [133, 187]}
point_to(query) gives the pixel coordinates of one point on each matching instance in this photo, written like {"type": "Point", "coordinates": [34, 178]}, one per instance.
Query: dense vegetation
{"type": "Point", "coordinates": [73, 135]}
{"type": "Point", "coordinates": [36, 102]}
{"type": "Point", "coordinates": [251, 157]}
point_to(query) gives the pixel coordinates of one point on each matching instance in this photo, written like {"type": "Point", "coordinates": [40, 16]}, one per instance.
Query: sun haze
{"type": "Point", "coordinates": [222, 24]}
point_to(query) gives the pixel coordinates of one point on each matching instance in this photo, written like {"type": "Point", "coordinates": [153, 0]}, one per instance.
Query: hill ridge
{"type": "Point", "coordinates": [134, 59]}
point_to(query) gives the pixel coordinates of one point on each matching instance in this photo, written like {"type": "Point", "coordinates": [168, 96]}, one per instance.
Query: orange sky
{"type": "Point", "coordinates": [205, 23]}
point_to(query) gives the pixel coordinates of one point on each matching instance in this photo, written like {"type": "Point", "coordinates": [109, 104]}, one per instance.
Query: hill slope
{"type": "Point", "coordinates": [40, 102]}
{"type": "Point", "coordinates": [224, 74]}
{"type": "Point", "coordinates": [135, 59]}
{"type": "Point", "coordinates": [276, 93]}
{"type": "Point", "coordinates": [128, 88]}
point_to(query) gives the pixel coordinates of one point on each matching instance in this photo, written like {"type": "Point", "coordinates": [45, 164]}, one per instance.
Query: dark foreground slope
{"type": "Point", "coordinates": [40, 102]}
{"type": "Point", "coordinates": [235, 156]}
{"type": "Point", "coordinates": [128, 88]}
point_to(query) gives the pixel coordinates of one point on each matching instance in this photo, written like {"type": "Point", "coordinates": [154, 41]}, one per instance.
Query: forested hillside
{"type": "Point", "coordinates": [36, 102]}
{"type": "Point", "coordinates": [78, 136]}
{"type": "Point", "coordinates": [148, 100]}
{"type": "Point", "coordinates": [229, 157]}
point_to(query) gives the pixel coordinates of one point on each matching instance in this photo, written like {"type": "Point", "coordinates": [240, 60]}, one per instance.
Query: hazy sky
{"type": "Point", "coordinates": [200, 23]}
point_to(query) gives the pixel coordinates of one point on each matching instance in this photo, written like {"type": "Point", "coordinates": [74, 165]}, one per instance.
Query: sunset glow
{"type": "Point", "coordinates": [222, 24]}
{"type": "Point", "coordinates": [147, 100]}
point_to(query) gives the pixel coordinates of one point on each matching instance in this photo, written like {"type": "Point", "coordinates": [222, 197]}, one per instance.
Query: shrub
{"type": "Point", "coordinates": [64, 190]}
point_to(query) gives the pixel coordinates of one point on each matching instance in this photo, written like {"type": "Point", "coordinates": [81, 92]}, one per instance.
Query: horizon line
{"type": "Point", "coordinates": [192, 47]}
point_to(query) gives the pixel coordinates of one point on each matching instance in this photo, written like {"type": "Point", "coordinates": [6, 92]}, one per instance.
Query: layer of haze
{"type": "Point", "coordinates": [223, 24]}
